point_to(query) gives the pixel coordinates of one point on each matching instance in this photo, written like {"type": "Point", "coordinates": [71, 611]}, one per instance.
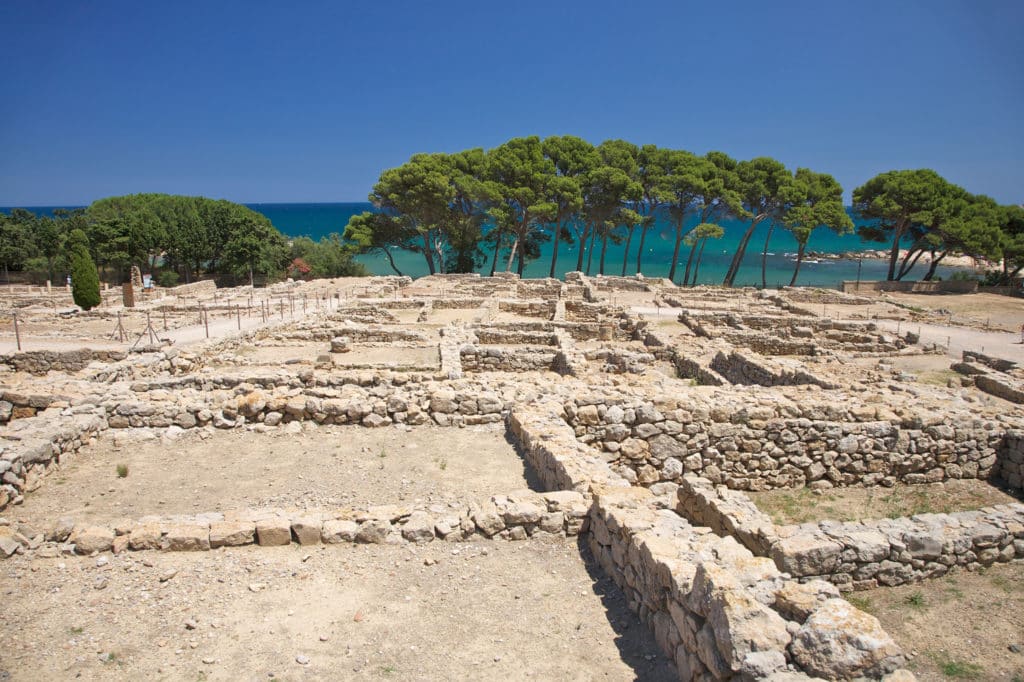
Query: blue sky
{"type": "Point", "coordinates": [269, 101]}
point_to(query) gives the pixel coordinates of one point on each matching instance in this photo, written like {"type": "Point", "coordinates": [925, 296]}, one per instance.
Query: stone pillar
{"type": "Point", "coordinates": [128, 295]}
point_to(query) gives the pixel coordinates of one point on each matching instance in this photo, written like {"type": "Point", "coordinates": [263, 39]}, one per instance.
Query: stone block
{"type": "Point", "coordinates": [231, 533]}
{"type": "Point", "coordinates": [273, 531]}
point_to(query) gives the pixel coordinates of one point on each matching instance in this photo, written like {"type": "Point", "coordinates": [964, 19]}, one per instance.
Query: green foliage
{"type": "Point", "coordinates": [963, 670]}
{"type": "Point", "coordinates": [167, 278]}
{"type": "Point", "coordinates": [329, 257]}
{"type": "Point", "coordinates": [122, 471]}
{"type": "Point", "coordinates": [85, 280]}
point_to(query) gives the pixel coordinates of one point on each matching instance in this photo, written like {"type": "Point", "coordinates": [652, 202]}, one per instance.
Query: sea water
{"type": "Point", "coordinates": [318, 220]}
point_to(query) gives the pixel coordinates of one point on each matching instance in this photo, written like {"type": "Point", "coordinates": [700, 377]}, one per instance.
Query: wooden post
{"type": "Point", "coordinates": [17, 332]}
{"type": "Point", "coordinates": [238, 315]}
{"type": "Point", "coordinates": [206, 321]}
{"type": "Point", "coordinates": [165, 319]}
{"type": "Point", "coordinates": [282, 308]}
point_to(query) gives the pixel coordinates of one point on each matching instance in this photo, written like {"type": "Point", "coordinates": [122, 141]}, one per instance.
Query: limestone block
{"type": "Point", "coordinates": [187, 537]}
{"type": "Point", "coordinates": [231, 533]}
{"type": "Point", "coordinates": [418, 528]}
{"type": "Point", "coordinates": [306, 529]}
{"type": "Point", "coordinates": [91, 539]}
{"type": "Point", "coordinates": [273, 531]}
{"type": "Point", "coordinates": [839, 642]}
{"type": "Point", "coordinates": [145, 536]}
{"type": "Point", "coordinates": [806, 554]}
{"type": "Point", "coordinates": [374, 531]}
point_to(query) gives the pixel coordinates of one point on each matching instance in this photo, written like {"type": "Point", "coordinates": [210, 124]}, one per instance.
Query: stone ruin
{"type": "Point", "coordinates": [645, 436]}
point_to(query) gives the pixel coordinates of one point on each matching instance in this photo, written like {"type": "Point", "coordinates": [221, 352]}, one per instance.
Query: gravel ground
{"type": "Point", "coordinates": [336, 466]}
{"type": "Point", "coordinates": [488, 610]}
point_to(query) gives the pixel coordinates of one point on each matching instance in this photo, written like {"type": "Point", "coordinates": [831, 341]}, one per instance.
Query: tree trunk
{"type": "Point", "coordinates": [554, 253]}
{"type": "Point", "coordinates": [894, 250]}
{"type": "Point", "coordinates": [689, 262]}
{"type": "Point", "coordinates": [741, 249]}
{"type": "Point", "coordinates": [764, 257]}
{"type": "Point", "coordinates": [428, 254]}
{"type": "Point", "coordinates": [700, 255]}
{"type": "Point", "coordinates": [935, 264]}
{"type": "Point", "coordinates": [391, 260]}
{"type": "Point", "coordinates": [904, 271]}
{"type": "Point", "coordinates": [799, 261]}
{"type": "Point", "coordinates": [675, 251]}
{"type": "Point", "coordinates": [521, 264]}
{"type": "Point", "coordinates": [625, 255]}
{"type": "Point", "coordinates": [252, 284]}
{"type": "Point", "coordinates": [497, 247]}
{"type": "Point", "coordinates": [512, 254]}
{"type": "Point", "coordinates": [590, 249]}
{"type": "Point", "coordinates": [640, 251]}
{"type": "Point", "coordinates": [914, 250]}
{"type": "Point", "coordinates": [582, 239]}
{"type": "Point", "coordinates": [604, 249]}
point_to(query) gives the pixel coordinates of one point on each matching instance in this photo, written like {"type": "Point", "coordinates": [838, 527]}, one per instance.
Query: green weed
{"type": "Point", "coordinates": [122, 471]}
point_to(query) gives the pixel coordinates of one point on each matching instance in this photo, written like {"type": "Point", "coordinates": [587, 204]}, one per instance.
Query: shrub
{"type": "Point", "coordinates": [167, 279]}
{"type": "Point", "coordinates": [85, 280]}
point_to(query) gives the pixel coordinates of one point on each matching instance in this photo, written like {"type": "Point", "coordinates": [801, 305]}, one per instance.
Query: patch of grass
{"type": "Point", "coordinates": [862, 603]}
{"type": "Point", "coordinates": [122, 471]}
{"type": "Point", "coordinates": [1004, 584]}
{"type": "Point", "coordinates": [76, 630]}
{"type": "Point", "coordinates": [962, 670]}
{"type": "Point", "coordinates": [442, 464]}
{"type": "Point", "coordinates": [388, 670]}
{"type": "Point", "coordinates": [915, 600]}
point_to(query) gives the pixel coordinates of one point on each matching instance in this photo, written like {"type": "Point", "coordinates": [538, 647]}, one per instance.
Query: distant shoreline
{"type": "Point", "coordinates": [883, 254]}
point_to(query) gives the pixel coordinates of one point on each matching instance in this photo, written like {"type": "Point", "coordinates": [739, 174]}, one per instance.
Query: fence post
{"type": "Point", "coordinates": [238, 315]}
{"type": "Point", "coordinates": [206, 321]}
{"type": "Point", "coordinates": [17, 332]}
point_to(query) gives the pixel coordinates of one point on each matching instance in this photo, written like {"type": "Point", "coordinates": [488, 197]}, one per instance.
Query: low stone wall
{"type": "Point", "coordinates": [516, 516]}
{"type": "Point", "coordinates": [716, 610]}
{"type": "Point", "coordinates": [513, 336]}
{"type": "Point", "coordinates": [616, 361]}
{"type": "Point", "coordinates": [539, 288]}
{"type": "Point", "coordinates": [43, 361]}
{"type": "Point", "coordinates": [545, 310]}
{"type": "Point", "coordinates": [457, 303]}
{"type": "Point", "coordinates": [761, 447]}
{"type": "Point", "coordinates": [30, 447]}
{"type": "Point", "coordinates": [581, 311]}
{"type": "Point", "coordinates": [16, 405]}
{"type": "Point", "coordinates": [740, 368]}
{"type": "Point", "coordinates": [1010, 466]}
{"type": "Point", "coordinates": [206, 286]}
{"type": "Point", "coordinates": [492, 359]}
{"type": "Point", "coordinates": [945, 287]}
{"type": "Point", "coordinates": [861, 554]}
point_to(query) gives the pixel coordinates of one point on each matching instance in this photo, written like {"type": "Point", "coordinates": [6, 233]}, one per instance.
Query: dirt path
{"type": "Point", "coordinates": [489, 610]}
{"type": "Point", "coordinates": [334, 466]}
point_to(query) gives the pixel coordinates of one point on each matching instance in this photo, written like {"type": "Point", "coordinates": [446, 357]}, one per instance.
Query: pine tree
{"type": "Point", "coordinates": [85, 280]}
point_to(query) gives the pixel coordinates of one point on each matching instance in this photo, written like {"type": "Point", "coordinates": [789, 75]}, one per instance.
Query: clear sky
{"type": "Point", "coordinates": [273, 101]}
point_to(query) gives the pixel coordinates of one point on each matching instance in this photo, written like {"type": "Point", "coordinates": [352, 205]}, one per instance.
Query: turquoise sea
{"type": "Point", "coordinates": [321, 219]}
{"type": "Point", "coordinates": [318, 220]}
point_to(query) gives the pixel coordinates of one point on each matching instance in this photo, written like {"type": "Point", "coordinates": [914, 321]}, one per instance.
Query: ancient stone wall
{"type": "Point", "coordinates": [763, 448]}
{"type": "Point", "coordinates": [745, 369]}
{"type": "Point", "coordinates": [545, 310]}
{"type": "Point", "coordinates": [494, 359]}
{"type": "Point", "coordinates": [861, 554]}
{"type": "Point", "coordinates": [43, 361]}
{"type": "Point", "coordinates": [716, 610]}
